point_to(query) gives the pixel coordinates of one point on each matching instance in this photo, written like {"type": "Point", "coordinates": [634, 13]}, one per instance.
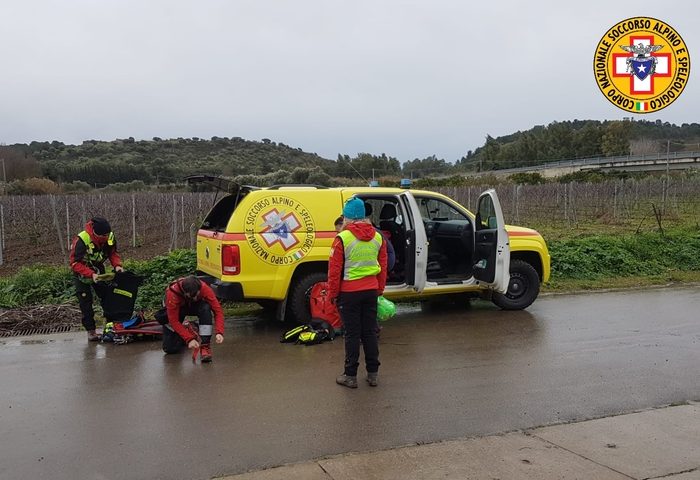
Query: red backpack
{"type": "Point", "coordinates": [322, 308]}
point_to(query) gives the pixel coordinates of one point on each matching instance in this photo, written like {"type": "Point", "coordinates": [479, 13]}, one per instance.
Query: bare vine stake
{"type": "Point", "coordinates": [57, 226]}
{"type": "Point", "coordinates": [2, 225]}
{"type": "Point", "coordinates": [657, 214]}
{"type": "Point", "coordinates": [173, 236]}
{"type": "Point", "coordinates": [182, 213]}
{"type": "Point", "coordinates": [572, 201]}
{"type": "Point", "coordinates": [621, 189]}
{"type": "Point", "coordinates": [133, 220]}
{"type": "Point", "coordinates": [67, 226]}
{"type": "Point", "coordinates": [664, 194]}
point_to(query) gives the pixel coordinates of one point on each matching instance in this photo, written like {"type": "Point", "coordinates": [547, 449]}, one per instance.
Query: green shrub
{"type": "Point", "coordinates": [47, 284]}
{"type": "Point", "coordinates": [159, 272]}
{"type": "Point", "coordinates": [603, 256]}
{"type": "Point", "coordinates": [36, 284]}
{"type": "Point", "coordinates": [76, 186]}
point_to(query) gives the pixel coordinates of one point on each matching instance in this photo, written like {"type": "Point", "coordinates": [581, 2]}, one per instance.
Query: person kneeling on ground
{"type": "Point", "coordinates": [189, 296]}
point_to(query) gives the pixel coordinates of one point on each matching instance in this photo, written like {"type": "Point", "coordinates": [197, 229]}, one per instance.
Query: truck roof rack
{"type": "Point", "coordinates": [297, 185]}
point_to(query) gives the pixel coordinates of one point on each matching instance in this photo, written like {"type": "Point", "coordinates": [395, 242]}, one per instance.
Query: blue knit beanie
{"type": "Point", "coordinates": [354, 209]}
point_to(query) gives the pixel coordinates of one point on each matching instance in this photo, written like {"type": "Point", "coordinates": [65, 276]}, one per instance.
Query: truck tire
{"type": "Point", "coordinates": [523, 287]}
{"type": "Point", "coordinates": [298, 303]}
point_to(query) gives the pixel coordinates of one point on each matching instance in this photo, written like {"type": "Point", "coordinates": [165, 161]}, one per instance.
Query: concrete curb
{"type": "Point", "coordinates": [658, 443]}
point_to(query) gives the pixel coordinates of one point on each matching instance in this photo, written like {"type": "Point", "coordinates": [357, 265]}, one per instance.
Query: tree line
{"type": "Point", "coordinates": [131, 164]}
{"type": "Point", "coordinates": [580, 139]}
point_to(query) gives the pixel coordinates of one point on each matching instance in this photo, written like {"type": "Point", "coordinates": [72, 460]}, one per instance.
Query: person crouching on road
{"type": "Point", "coordinates": [89, 251]}
{"type": "Point", "coordinates": [189, 296]}
{"type": "Point", "coordinates": [356, 277]}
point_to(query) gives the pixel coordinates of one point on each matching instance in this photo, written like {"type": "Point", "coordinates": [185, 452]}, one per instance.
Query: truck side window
{"type": "Point", "coordinates": [436, 210]}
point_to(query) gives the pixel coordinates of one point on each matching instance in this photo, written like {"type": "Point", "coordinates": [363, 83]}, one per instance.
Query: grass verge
{"type": "Point", "coordinates": [581, 263]}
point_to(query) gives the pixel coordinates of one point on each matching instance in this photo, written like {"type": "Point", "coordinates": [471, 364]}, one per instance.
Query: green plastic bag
{"type": "Point", "coordinates": [385, 309]}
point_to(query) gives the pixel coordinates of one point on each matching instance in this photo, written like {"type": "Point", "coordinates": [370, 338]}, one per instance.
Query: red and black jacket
{"type": "Point", "coordinates": [336, 284]}
{"type": "Point", "coordinates": [81, 265]}
{"type": "Point", "coordinates": [175, 300]}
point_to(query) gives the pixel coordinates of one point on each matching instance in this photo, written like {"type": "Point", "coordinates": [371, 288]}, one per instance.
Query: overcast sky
{"type": "Point", "coordinates": [405, 78]}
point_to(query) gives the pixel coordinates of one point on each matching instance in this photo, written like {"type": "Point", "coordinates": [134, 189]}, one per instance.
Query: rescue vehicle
{"type": "Point", "coordinates": [271, 245]}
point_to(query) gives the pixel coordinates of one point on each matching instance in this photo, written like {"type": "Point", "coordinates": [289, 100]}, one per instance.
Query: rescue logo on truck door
{"type": "Point", "coordinates": [279, 230]}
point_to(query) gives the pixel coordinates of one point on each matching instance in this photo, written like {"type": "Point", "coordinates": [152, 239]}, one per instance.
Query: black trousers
{"type": "Point", "coordinates": [174, 343]}
{"type": "Point", "coordinates": [359, 313]}
{"type": "Point", "coordinates": [85, 299]}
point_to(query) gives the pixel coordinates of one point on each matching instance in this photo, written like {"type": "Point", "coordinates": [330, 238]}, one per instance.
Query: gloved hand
{"type": "Point", "coordinates": [119, 269]}
{"type": "Point", "coordinates": [95, 278]}
{"type": "Point", "coordinates": [193, 344]}
{"type": "Point", "coordinates": [103, 277]}
{"type": "Point", "coordinates": [219, 338]}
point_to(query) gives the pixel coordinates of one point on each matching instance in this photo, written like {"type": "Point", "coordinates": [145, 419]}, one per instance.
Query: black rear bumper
{"type": "Point", "coordinates": [229, 291]}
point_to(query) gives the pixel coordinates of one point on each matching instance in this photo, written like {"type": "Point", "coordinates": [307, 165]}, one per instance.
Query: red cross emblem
{"type": "Point", "coordinates": [643, 81]}
{"type": "Point", "coordinates": [280, 227]}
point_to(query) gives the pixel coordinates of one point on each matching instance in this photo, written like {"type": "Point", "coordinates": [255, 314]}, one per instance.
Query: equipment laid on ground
{"type": "Point", "coordinates": [316, 331]}
{"type": "Point", "coordinates": [322, 309]}
{"type": "Point", "coordinates": [133, 329]}
{"type": "Point", "coordinates": [118, 301]}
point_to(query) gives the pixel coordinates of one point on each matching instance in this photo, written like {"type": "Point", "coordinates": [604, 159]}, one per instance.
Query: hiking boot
{"type": "Point", "coordinates": [347, 381]}
{"type": "Point", "coordinates": [205, 352]}
{"type": "Point", "coordinates": [372, 379]}
{"type": "Point", "coordinates": [93, 336]}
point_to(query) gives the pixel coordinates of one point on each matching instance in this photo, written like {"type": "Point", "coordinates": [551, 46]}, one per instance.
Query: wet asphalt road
{"type": "Point", "coordinates": [73, 410]}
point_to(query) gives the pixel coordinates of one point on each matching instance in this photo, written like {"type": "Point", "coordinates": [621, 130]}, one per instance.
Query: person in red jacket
{"type": "Point", "coordinates": [356, 277]}
{"type": "Point", "coordinates": [190, 296]}
{"type": "Point", "coordinates": [91, 248]}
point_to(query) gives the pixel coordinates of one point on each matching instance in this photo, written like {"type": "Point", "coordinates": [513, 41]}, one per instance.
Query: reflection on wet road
{"type": "Point", "coordinates": [73, 410]}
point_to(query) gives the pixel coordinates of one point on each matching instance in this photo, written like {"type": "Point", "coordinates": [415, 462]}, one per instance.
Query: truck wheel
{"type": "Point", "coordinates": [298, 303]}
{"type": "Point", "coordinates": [523, 287]}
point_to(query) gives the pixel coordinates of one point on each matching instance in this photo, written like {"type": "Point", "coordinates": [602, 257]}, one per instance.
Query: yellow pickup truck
{"type": "Point", "coordinates": [270, 245]}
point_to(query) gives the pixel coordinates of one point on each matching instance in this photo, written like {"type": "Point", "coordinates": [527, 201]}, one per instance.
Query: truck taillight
{"type": "Point", "coordinates": [230, 260]}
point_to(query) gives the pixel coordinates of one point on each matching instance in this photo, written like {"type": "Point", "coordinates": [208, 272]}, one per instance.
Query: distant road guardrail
{"type": "Point", "coordinates": [619, 162]}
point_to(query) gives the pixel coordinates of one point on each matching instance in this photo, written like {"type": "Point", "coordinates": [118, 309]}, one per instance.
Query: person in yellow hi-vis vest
{"type": "Point", "coordinates": [356, 277]}
{"type": "Point", "coordinates": [90, 249]}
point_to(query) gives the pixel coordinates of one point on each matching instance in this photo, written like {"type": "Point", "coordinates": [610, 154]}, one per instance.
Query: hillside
{"type": "Point", "coordinates": [164, 161]}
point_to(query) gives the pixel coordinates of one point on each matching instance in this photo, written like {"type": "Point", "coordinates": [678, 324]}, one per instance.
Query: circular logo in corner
{"type": "Point", "coordinates": [279, 230]}
{"type": "Point", "coordinates": [641, 65]}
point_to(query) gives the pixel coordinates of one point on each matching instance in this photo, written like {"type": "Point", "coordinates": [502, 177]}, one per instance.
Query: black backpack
{"type": "Point", "coordinates": [119, 298]}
